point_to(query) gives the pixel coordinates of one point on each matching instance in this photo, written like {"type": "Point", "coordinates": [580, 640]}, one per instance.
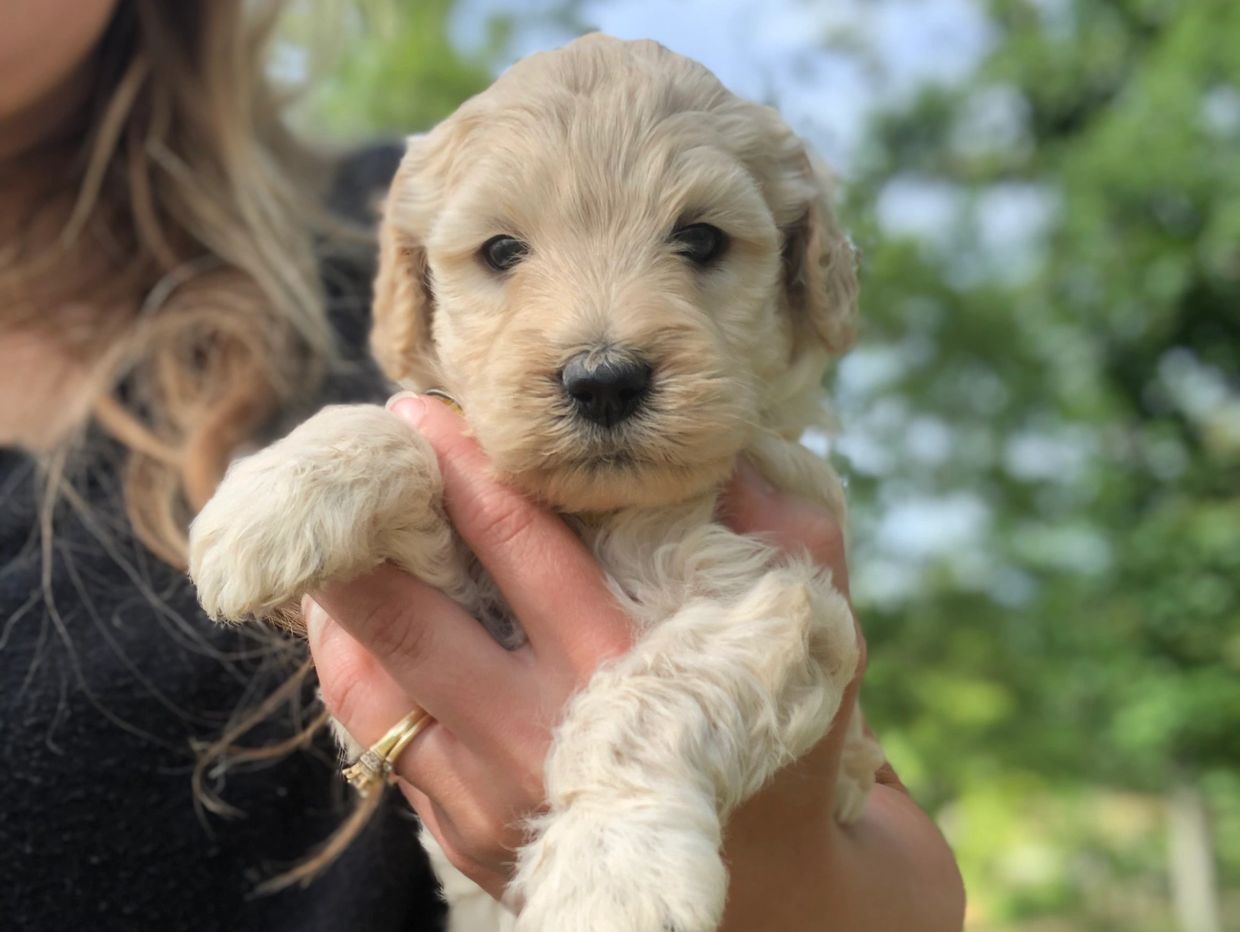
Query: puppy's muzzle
{"type": "Point", "coordinates": [605, 392]}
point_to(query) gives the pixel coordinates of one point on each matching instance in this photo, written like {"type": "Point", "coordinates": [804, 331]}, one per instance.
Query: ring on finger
{"type": "Point", "coordinates": [376, 765]}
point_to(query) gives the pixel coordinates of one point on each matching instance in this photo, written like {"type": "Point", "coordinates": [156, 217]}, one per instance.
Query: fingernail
{"type": "Point", "coordinates": [399, 397]}
{"type": "Point", "coordinates": [314, 617]}
{"type": "Point", "coordinates": [408, 406]}
{"type": "Point", "coordinates": [443, 397]}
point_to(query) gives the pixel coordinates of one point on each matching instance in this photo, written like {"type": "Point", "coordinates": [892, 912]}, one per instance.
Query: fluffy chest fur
{"type": "Point", "coordinates": [659, 560]}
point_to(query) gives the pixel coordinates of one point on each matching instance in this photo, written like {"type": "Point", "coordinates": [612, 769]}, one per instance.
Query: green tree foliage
{"type": "Point", "coordinates": [387, 67]}
{"type": "Point", "coordinates": [1087, 382]}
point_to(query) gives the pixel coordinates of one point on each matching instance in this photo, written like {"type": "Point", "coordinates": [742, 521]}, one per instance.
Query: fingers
{"type": "Point", "coordinates": [448, 784]}
{"type": "Point", "coordinates": [502, 716]}
{"type": "Point", "coordinates": [751, 505]}
{"type": "Point", "coordinates": [388, 628]}
{"type": "Point", "coordinates": [455, 847]}
{"type": "Point", "coordinates": [549, 579]}
{"type": "Point", "coordinates": [356, 689]}
{"type": "Point", "coordinates": [367, 702]}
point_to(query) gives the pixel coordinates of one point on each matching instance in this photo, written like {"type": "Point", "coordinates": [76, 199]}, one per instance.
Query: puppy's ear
{"type": "Point", "coordinates": [404, 300]}
{"type": "Point", "coordinates": [819, 261]}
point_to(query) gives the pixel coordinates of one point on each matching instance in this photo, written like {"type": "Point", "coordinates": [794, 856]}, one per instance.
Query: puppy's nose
{"type": "Point", "coordinates": [605, 392]}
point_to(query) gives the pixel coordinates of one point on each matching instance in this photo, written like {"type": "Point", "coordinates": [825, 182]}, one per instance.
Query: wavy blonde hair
{"type": "Point", "coordinates": [174, 254]}
{"type": "Point", "coordinates": [206, 311]}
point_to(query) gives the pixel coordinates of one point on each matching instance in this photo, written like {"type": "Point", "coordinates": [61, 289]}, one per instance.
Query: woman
{"type": "Point", "coordinates": [167, 303]}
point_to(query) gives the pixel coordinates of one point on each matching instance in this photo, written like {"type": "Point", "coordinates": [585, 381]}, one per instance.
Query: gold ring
{"type": "Point", "coordinates": [374, 768]}
{"type": "Point", "coordinates": [440, 395]}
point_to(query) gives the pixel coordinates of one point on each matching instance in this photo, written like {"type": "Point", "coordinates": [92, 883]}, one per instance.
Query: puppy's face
{"type": "Point", "coordinates": [618, 268]}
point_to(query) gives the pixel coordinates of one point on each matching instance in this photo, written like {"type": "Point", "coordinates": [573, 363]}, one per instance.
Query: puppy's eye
{"type": "Point", "coordinates": [700, 242]}
{"type": "Point", "coordinates": [503, 252]}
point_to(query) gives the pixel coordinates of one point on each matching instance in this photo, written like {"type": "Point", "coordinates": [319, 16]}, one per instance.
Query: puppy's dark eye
{"type": "Point", "coordinates": [700, 242]}
{"type": "Point", "coordinates": [503, 252]}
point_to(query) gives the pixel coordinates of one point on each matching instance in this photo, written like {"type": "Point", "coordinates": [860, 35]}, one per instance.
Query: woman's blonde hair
{"type": "Point", "coordinates": [206, 312]}
{"type": "Point", "coordinates": [196, 218]}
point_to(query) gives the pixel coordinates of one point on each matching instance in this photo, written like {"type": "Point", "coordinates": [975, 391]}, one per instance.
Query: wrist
{"type": "Point", "coordinates": [779, 847]}
{"type": "Point", "coordinates": [801, 871]}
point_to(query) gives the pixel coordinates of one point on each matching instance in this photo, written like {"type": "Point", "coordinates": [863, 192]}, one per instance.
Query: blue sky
{"type": "Point", "coordinates": [825, 63]}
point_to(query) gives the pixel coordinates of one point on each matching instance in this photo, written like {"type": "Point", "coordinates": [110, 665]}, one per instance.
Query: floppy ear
{"type": "Point", "coordinates": [404, 300]}
{"type": "Point", "coordinates": [820, 263]}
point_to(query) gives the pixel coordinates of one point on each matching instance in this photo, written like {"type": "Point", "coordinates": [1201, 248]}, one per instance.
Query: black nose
{"type": "Point", "coordinates": [606, 392]}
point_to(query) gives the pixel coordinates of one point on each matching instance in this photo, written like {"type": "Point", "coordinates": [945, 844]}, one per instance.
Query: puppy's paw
{"type": "Point", "coordinates": [348, 488]}
{"type": "Point", "coordinates": [599, 871]}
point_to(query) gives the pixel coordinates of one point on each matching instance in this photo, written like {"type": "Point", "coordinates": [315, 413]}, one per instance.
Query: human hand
{"type": "Point", "coordinates": [385, 642]}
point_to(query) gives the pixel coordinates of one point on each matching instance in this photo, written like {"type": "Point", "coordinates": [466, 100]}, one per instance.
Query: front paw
{"type": "Point", "coordinates": [326, 503]}
{"type": "Point", "coordinates": [242, 562]}
{"type": "Point", "coordinates": [621, 869]}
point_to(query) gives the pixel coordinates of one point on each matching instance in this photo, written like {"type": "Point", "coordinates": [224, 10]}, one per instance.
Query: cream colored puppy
{"type": "Point", "coordinates": [629, 277]}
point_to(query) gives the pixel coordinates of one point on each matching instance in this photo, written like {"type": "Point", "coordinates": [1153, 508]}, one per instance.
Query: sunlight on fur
{"type": "Point", "coordinates": [628, 277]}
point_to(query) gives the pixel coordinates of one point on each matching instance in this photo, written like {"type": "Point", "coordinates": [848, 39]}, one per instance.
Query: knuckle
{"type": "Point", "coordinates": [825, 540]}
{"type": "Point", "coordinates": [481, 834]}
{"type": "Point", "coordinates": [341, 687]}
{"type": "Point", "coordinates": [460, 859]}
{"type": "Point", "coordinates": [524, 762]}
{"type": "Point", "coordinates": [530, 783]}
{"type": "Point", "coordinates": [476, 837]}
{"type": "Point", "coordinates": [603, 644]}
{"type": "Point", "coordinates": [484, 837]}
{"type": "Point", "coordinates": [500, 518]}
{"type": "Point", "coordinates": [393, 632]}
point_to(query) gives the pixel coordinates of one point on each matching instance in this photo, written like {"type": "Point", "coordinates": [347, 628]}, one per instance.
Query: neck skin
{"type": "Point", "coordinates": [47, 66]}
{"type": "Point", "coordinates": [50, 118]}
{"type": "Point", "coordinates": [48, 386]}
{"type": "Point", "coordinates": [35, 139]}
{"type": "Point", "coordinates": [50, 392]}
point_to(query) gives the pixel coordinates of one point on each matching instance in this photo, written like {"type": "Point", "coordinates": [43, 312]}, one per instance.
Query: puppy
{"type": "Point", "coordinates": [628, 277]}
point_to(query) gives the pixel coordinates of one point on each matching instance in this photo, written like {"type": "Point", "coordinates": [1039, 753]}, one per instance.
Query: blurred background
{"type": "Point", "coordinates": [1041, 424]}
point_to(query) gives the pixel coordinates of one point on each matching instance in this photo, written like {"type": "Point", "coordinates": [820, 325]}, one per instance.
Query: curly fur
{"type": "Point", "coordinates": [592, 155]}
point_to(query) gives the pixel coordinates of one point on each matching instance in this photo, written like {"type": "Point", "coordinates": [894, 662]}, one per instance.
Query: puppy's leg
{"type": "Point", "coordinates": [349, 488]}
{"type": "Point", "coordinates": [663, 744]}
